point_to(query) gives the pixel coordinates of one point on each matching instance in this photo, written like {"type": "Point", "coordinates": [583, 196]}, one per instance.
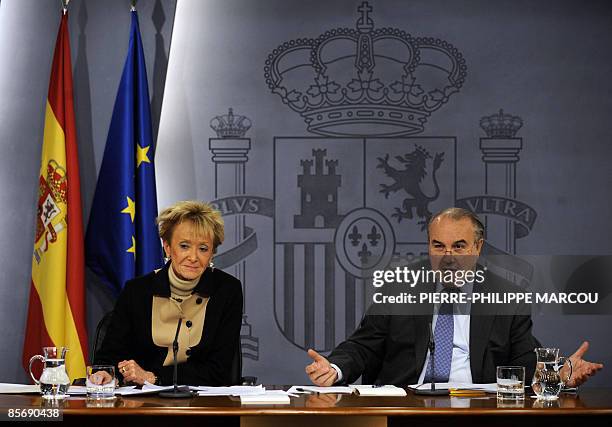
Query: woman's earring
{"type": "Point", "coordinates": [211, 265]}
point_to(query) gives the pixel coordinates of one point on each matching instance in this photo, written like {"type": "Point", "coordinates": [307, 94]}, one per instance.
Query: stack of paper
{"type": "Point", "coordinates": [385, 390]}
{"type": "Point", "coordinates": [269, 397]}
{"type": "Point", "coordinates": [8, 388]}
{"type": "Point", "coordinates": [147, 388]}
{"type": "Point", "coordinates": [235, 390]}
{"type": "Point", "coordinates": [76, 390]}
{"type": "Point", "coordinates": [487, 388]}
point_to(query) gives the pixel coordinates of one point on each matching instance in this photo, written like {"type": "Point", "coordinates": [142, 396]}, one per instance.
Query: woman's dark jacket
{"type": "Point", "coordinates": [209, 362]}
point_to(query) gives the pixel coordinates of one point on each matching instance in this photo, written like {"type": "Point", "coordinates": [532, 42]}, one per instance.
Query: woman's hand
{"type": "Point", "coordinates": [133, 373]}
{"type": "Point", "coordinates": [100, 378]}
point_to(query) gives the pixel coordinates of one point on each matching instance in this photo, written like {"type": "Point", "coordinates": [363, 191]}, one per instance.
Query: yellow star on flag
{"type": "Point", "coordinates": [132, 249]}
{"type": "Point", "coordinates": [130, 208]}
{"type": "Point", "coordinates": [142, 154]}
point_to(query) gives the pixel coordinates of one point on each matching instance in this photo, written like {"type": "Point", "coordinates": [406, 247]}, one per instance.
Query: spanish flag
{"type": "Point", "coordinates": [56, 314]}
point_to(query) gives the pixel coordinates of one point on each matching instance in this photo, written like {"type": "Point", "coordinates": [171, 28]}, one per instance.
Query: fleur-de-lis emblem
{"type": "Point", "coordinates": [364, 254]}
{"type": "Point", "coordinates": [355, 236]}
{"type": "Point", "coordinates": [374, 236]}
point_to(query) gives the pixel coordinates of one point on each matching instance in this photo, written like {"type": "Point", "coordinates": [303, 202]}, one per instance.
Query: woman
{"type": "Point", "coordinates": [144, 322]}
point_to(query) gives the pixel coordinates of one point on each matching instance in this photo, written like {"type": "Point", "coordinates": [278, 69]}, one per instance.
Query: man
{"type": "Point", "coordinates": [393, 349]}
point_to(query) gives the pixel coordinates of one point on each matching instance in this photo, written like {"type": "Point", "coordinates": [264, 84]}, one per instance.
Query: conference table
{"type": "Point", "coordinates": [589, 405]}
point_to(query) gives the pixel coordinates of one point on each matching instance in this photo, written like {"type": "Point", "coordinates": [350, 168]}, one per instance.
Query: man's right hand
{"type": "Point", "coordinates": [320, 371]}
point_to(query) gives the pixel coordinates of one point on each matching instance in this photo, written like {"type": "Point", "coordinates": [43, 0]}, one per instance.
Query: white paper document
{"type": "Point", "coordinates": [147, 388]}
{"type": "Point", "coordinates": [235, 390]}
{"type": "Point", "coordinates": [385, 390]}
{"type": "Point", "coordinates": [269, 397]}
{"type": "Point", "coordinates": [8, 388]}
{"type": "Point", "coordinates": [77, 390]}
{"type": "Point", "coordinates": [131, 390]}
{"type": "Point", "coordinates": [309, 389]}
{"type": "Point", "coordinates": [487, 388]}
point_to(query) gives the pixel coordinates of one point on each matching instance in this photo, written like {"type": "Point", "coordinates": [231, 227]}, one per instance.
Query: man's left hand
{"type": "Point", "coordinates": [581, 369]}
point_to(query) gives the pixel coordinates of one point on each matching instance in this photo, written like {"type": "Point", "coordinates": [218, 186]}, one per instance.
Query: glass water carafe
{"type": "Point", "coordinates": [551, 373]}
{"type": "Point", "coordinates": [54, 380]}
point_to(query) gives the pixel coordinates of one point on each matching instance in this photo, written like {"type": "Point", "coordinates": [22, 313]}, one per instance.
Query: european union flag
{"type": "Point", "coordinates": [122, 240]}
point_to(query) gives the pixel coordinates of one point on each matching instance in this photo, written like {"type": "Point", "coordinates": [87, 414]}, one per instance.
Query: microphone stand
{"type": "Point", "coordinates": [432, 353]}
{"type": "Point", "coordinates": [176, 392]}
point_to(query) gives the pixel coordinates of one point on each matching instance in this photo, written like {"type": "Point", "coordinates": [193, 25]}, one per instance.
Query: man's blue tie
{"type": "Point", "coordinates": [443, 338]}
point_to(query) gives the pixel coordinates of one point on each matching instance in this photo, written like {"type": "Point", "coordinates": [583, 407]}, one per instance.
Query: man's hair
{"type": "Point", "coordinates": [458, 214]}
{"type": "Point", "coordinates": [205, 218]}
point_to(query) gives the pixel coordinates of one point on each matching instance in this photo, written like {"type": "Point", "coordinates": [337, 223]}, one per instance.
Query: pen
{"type": "Point", "coordinates": [303, 390]}
{"type": "Point", "coordinates": [459, 392]}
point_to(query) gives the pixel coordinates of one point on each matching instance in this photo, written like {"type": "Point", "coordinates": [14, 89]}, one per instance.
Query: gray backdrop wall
{"type": "Point", "coordinates": [543, 61]}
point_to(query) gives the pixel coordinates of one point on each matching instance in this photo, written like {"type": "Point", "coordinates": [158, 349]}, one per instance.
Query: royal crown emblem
{"type": "Point", "coordinates": [57, 182]}
{"type": "Point", "coordinates": [501, 125]}
{"type": "Point", "coordinates": [230, 125]}
{"type": "Point", "coordinates": [365, 81]}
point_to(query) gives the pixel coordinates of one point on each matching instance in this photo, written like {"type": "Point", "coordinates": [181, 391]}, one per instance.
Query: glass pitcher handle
{"type": "Point", "coordinates": [32, 359]}
{"type": "Point", "coordinates": [571, 367]}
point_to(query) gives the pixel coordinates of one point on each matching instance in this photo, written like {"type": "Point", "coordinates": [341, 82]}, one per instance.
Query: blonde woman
{"type": "Point", "coordinates": [144, 322]}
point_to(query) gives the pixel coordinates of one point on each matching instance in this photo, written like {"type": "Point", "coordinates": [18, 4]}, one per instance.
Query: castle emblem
{"type": "Point", "coordinates": [319, 193]}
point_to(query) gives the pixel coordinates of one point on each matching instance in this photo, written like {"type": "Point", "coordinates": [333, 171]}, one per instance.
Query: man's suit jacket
{"type": "Point", "coordinates": [129, 334]}
{"type": "Point", "coordinates": [391, 349]}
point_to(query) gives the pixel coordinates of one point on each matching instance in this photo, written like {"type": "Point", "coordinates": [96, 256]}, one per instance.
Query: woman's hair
{"type": "Point", "coordinates": [206, 219]}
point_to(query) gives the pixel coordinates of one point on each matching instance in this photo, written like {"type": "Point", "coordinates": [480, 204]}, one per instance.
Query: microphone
{"type": "Point", "coordinates": [176, 392]}
{"type": "Point", "coordinates": [432, 354]}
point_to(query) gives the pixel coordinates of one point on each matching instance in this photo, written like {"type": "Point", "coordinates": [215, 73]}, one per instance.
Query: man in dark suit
{"type": "Point", "coordinates": [393, 349]}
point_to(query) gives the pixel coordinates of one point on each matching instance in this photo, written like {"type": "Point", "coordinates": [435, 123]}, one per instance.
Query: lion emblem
{"type": "Point", "coordinates": [409, 179]}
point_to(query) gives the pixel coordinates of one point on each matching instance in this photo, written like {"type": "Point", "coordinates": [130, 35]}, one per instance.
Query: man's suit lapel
{"type": "Point", "coordinates": [422, 340]}
{"type": "Point", "coordinates": [481, 324]}
{"type": "Point", "coordinates": [422, 324]}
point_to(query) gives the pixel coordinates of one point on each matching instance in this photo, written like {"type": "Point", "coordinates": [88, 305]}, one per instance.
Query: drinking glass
{"type": "Point", "coordinates": [100, 382]}
{"type": "Point", "coordinates": [511, 382]}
